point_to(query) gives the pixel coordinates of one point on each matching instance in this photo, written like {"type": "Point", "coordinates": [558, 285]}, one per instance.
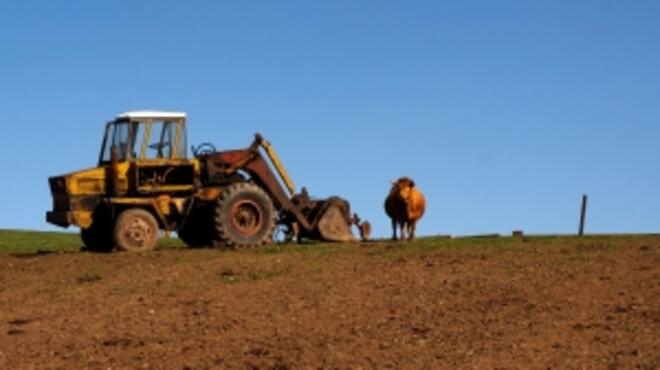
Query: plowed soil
{"type": "Point", "coordinates": [493, 303]}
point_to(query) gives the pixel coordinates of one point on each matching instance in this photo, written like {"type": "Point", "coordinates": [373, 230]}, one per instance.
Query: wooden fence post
{"type": "Point", "coordinates": [583, 214]}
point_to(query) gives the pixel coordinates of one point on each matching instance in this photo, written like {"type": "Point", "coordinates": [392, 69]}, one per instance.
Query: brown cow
{"type": "Point", "coordinates": [405, 205]}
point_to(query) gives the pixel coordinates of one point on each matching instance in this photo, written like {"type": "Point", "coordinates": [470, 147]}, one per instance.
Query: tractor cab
{"type": "Point", "coordinates": [145, 135]}
{"type": "Point", "coordinates": [148, 149]}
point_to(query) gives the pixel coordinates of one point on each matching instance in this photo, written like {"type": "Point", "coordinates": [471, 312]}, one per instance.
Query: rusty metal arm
{"type": "Point", "coordinates": [277, 164]}
{"type": "Point", "coordinates": [261, 172]}
{"type": "Point", "coordinates": [252, 161]}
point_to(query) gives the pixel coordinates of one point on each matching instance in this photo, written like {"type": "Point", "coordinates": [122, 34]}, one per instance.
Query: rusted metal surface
{"type": "Point", "coordinates": [327, 219]}
{"type": "Point", "coordinates": [251, 161]}
{"type": "Point", "coordinates": [364, 227]}
{"type": "Point", "coordinates": [332, 225]}
{"type": "Point", "coordinates": [59, 192]}
{"type": "Point", "coordinates": [62, 219]}
{"type": "Point", "coordinates": [365, 230]}
{"type": "Point", "coordinates": [246, 217]}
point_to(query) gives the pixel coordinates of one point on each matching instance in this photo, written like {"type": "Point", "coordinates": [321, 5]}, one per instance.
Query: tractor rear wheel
{"type": "Point", "coordinates": [136, 230]}
{"type": "Point", "coordinates": [244, 216]}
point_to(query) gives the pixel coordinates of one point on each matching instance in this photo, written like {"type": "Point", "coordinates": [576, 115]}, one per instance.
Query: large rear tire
{"type": "Point", "coordinates": [136, 230]}
{"type": "Point", "coordinates": [244, 216]}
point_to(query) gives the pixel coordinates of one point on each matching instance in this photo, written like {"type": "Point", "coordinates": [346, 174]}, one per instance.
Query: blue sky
{"type": "Point", "coordinates": [504, 112]}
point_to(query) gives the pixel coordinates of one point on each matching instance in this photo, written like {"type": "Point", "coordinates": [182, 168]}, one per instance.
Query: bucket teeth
{"type": "Point", "coordinates": [365, 230]}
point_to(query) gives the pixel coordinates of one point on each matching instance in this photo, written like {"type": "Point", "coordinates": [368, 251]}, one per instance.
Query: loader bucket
{"type": "Point", "coordinates": [334, 223]}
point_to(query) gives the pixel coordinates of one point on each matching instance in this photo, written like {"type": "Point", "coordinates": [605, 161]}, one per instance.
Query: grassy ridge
{"type": "Point", "coordinates": [24, 241]}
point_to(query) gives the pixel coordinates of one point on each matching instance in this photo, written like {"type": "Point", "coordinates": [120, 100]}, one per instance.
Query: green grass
{"type": "Point", "coordinates": [24, 241]}
{"type": "Point", "coordinates": [20, 241]}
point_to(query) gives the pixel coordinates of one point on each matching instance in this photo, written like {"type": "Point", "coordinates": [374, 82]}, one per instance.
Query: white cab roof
{"type": "Point", "coordinates": [151, 114]}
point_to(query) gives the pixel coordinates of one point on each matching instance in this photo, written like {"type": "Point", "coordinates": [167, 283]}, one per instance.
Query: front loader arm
{"type": "Point", "coordinates": [253, 162]}
{"type": "Point", "coordinates": [328, 219]}
{"type": "Point", "coordinates": [277, 164]}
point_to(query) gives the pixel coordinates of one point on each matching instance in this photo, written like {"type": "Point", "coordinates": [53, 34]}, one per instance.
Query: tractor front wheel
{"type": "Point", "coordinates": [136, 230]}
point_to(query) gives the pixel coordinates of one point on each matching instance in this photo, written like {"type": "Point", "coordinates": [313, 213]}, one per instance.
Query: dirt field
{"type": "Point", "coordinates": [492, 303]}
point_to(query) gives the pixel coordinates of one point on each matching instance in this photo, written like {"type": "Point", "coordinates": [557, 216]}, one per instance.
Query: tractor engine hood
{"type": "Point", "coordinates": [75, 196]}
{"type": "Point", "coordinates": [90, 181]}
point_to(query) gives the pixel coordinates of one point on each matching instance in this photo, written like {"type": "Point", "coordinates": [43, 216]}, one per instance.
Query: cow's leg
{"type": "Point", "coordinates": [411, 230]}
{"type": "Point", "coordinates": [393, 229]}
{"type": "Point", "coordinates": [403, 231]}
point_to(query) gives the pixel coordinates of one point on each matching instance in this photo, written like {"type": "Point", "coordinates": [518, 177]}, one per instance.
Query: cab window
{"type": "Point", "coordinates": [117, 135]}
{"type": "Point", "coordinates": [166, 141]}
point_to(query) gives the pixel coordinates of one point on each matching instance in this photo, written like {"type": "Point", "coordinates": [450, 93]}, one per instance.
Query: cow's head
{"type": "Point", "coordinates": [402, 187]}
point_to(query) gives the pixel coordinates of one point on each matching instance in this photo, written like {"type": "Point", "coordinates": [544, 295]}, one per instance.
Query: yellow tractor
{"type": "Point", "coordinates": [145, 183]}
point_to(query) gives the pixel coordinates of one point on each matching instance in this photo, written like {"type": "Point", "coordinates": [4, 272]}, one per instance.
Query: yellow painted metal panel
{"type": "Point", "coordinates": [83, 218]}
{"type": "Point", "coordinates": [87, 182]}
{"type": "Point", "coordinates": [177, 137]}
{"type": "Point", "coordinates": [145, 139]}
{"type": "Point", "coordinates": [133, 201]}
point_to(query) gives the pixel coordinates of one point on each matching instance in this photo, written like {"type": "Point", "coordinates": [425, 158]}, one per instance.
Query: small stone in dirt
{"type": "Point", "coordinates": [88, 277]}
{"type": "Point", "coordinates": [580, 326]}
{"type": "Point", "coordinates": [621, 309]}
{"type": "Point", "coordinates": [112, 342]}
{"type": "Point", "coordinates": [19, 322]}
